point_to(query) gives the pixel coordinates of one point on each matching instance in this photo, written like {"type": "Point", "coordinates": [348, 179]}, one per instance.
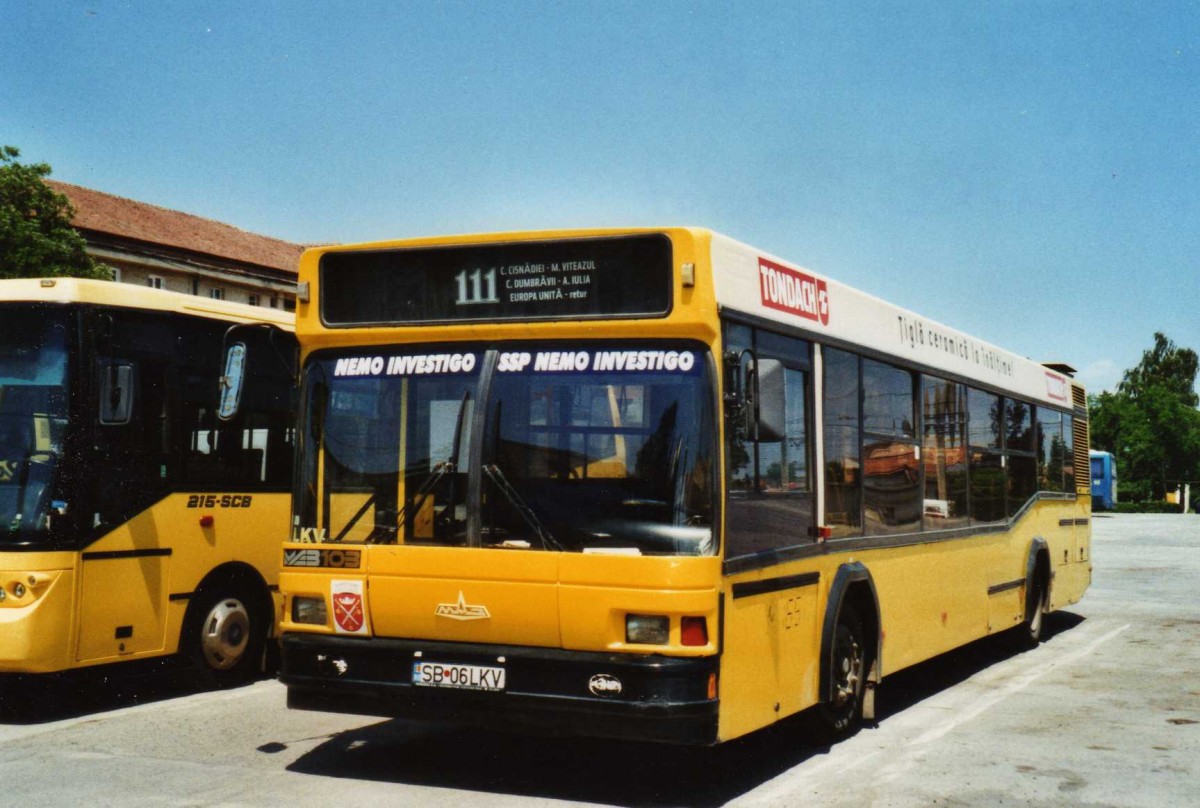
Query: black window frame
{"type": "Point", "coordinates": [869, 436]}
{"type": "Point", "coordinates": [765, 343]}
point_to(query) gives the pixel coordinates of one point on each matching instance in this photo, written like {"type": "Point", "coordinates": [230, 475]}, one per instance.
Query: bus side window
{"type": "Point", "coordinates": [986, 461]}
{"type": "Point", "coordinates": [134, 405]}
{"type": "Point", "coordinates": [1051, 450]}
{"type": "Point", "coordinates": [843, 466]}
{"type": "Point", "coordinates": [253, 449]}
{"type": "Point", "coordinates": [945, 455]}
{"type": "Point", "coordinates": [769, 501]}
{"type": "Point", "coordinates": [891, 473]}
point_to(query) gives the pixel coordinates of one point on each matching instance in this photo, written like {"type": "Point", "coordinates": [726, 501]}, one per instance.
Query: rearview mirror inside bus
{"type": "Point", "coordinates": [231, 381]}
{"type": "Point", "coordinates": [116, 393]}
{"type": "Point", "coordinates": [766, 387]}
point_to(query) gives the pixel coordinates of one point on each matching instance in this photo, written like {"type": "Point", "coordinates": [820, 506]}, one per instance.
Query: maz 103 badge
{"type": "Point", "coordinates": [349, 613]}
{"type": "Point", "coordinates": [334, 559]}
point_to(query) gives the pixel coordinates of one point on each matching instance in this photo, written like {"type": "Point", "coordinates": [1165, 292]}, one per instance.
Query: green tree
{"type": "Point", "coordinates": [36, 236]}
{"type": "Point", "coordinates": [1151, 424]}
{"type": "Point", "coordinates": [1166, 366]}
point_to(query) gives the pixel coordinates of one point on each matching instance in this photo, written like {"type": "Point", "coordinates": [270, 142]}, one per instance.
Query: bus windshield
{"type": "Point", "coordinates": [581, 448]}
{"type": "Point", "coordinates": [33, 418]}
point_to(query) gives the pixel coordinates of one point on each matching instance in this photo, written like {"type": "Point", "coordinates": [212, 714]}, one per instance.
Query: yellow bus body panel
{"type": "Point", "coordinates": [136, 592]}
{"type": "Point", "coordinates": [932, 597]}
{"type": "Point", "coordinates": [104, 605]}
{"type": "Point", "coordinates": [690, 317]}
{"type": "Point", "coordinates": [36, 629]}
{"type": "Point", "coordinates": [532, 598]}
{"type": "Point", "coordinates": [409, 586]}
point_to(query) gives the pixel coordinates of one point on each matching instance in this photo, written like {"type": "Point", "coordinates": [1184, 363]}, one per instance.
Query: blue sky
{"type": "Point", "coordinates": [1028, 172]}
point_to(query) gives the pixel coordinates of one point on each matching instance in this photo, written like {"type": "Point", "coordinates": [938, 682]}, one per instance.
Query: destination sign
{"type": "Point", "coordinates": [627, 276]}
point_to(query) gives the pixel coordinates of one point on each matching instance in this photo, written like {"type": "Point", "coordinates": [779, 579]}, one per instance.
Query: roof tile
{"type": "Point", "coordinates": [117, 216]}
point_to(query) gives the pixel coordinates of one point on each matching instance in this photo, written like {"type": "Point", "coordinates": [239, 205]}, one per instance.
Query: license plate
{"type": "Point", "coordinates": [463, 677]}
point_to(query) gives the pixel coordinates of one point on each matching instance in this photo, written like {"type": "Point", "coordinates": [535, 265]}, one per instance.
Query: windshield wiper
{"type": "Point", "coordinates": [387, 534]}
{"type": "Point", "coordinates": [497, 476]}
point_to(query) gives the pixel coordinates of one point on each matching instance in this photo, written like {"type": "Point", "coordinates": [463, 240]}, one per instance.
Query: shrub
{"type": "Point", "coordinates": [1148, 507]}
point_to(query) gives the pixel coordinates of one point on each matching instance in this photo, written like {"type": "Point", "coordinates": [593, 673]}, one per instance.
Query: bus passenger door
{"type": "Point", "coordinates": [767, 665]}
{"type": "Point", "coordinates": [124, 571]}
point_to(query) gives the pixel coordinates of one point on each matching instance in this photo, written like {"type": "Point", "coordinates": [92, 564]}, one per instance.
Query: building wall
{"type": "Point", "coordinates": [187, 283]}
{"type": "Point", "coordinates": [149, 245]}
{"type": "Point", "coordinates": [233, 288]}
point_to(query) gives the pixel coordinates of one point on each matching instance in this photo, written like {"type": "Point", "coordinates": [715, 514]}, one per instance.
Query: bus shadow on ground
{"type": "Point", "coordinates": [622, 772]}
{"type": "Point", "coordinates": [45, 698]}
{"type": "Point", "coordinates": [908, 687]}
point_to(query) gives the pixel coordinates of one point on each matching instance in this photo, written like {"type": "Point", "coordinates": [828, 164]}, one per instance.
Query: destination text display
{"type": "Point", "coordinates": [547, 280]}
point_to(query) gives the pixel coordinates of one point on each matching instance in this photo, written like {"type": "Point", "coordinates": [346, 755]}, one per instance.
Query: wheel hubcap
{"type": "Point", "coordinates": [225, 634]}
{"type": "Point", "coordinates": [851, 664]}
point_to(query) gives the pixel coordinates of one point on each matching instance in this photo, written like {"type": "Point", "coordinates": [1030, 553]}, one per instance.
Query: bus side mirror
{"type": "Point", "coordinates": [232, 381]}
{"type": "Point", "coordinates": [116, 393]}
{"type": "Point", "coordinates": [765, 383]}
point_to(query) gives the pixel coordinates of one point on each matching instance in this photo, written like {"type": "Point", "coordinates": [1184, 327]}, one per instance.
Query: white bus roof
{"type": "Point", "coordinates": [110, 293]}
{"type": "Point", "coordinates": [755, 283]}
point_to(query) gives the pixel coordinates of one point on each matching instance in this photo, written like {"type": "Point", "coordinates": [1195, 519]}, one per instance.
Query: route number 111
{"type": "Point", "coordinates": [476, 287]}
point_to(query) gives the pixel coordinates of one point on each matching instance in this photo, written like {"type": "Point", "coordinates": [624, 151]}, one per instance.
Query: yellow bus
{"type": "Point", "coordinates": [135, 521]}
{"type": "Point", "coordinates": [654, 484]}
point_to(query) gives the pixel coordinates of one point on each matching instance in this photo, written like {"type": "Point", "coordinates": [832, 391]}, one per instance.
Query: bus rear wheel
{"type": "Point", "coordinates": [224, 637]}
{"type": "Point", "coordinates": [842, 714]}
{"type": "Point", "coordinates": [1029, 633]}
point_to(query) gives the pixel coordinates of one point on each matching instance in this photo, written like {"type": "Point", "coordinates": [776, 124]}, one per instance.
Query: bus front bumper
{"type": "Point", "coordinates": [603, 695]}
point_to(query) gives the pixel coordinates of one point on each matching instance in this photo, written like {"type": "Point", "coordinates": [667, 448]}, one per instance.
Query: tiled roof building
{"type": "Point", "coordinates": [153, 246]}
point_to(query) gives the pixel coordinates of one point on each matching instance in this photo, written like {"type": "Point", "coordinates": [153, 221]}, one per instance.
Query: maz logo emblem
{"type": "Point", "coordinates": [603, 684]}
{"type": "Point", "coordinates": [462, 610]}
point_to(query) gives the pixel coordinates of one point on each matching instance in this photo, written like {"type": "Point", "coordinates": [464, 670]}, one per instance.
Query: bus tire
{"type": "Point", "coordinates": [842, 714]}
{"type": "Point", "coordinates": [1029, 633]}
{"type": "Point", "coordinates": [224, 635]}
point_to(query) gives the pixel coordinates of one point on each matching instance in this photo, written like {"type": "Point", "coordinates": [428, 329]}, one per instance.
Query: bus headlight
{"type": "Point", "coordinates": [309, 610]}
{"type": "Point", "coordinates": [643, 629]}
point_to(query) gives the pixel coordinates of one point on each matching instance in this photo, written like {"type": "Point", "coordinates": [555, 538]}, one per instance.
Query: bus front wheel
{"type": "Point", "coordinates": [843, 712]}
{"type": "Point", "coordinates": [224, 640]}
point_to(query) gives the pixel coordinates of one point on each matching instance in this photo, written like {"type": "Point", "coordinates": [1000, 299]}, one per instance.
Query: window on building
{"type": "Point", "coordinates": [216, 293]}
{"type": "Point", "coordinates": [154, 281]}
{"type": "Point", "coordinates": [253, 300]}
